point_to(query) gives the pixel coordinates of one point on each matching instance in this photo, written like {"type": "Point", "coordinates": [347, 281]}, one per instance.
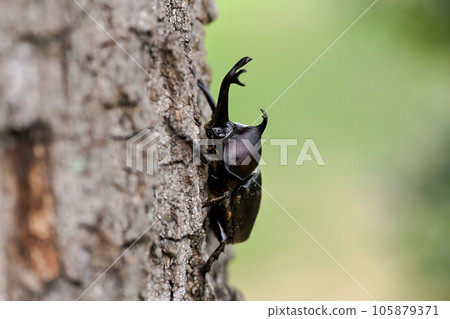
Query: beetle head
{"type": "Point", "coordinates": [218, 131]}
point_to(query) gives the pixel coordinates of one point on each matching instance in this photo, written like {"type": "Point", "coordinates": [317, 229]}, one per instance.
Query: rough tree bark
{"type": "Point", "coordinates": [70, 97]}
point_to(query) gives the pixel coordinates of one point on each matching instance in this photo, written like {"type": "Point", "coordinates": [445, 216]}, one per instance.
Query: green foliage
{"type": "Point", "coordinates": [375, 104]}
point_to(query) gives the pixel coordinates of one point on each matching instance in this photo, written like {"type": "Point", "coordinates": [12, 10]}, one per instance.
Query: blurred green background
{"type": "Point", "coordinates": [378, 107]}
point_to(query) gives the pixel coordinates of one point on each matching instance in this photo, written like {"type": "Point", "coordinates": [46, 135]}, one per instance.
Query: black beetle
{"type": "Point", "coordinates": [234, 181]}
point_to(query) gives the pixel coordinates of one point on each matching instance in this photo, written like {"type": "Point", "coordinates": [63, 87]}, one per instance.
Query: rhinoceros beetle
{"type": "Point", "coordinates": [234, 180]}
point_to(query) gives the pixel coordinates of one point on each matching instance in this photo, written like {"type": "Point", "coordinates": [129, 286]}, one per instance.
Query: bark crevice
{"type": "Point", "coordinates": [70, 98]}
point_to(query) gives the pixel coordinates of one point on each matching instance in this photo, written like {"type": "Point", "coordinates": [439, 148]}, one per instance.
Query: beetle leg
{"type": "Point", "coordinates": [205, 90]}
{"type": "Point", "coordinates": [217, 200]}
{"type": "Point", "coordinates": [208, 95]}
{"type": "Point", "coordinates": [215, 255]}
{"type": "Point", "coordinates": [190, 141]}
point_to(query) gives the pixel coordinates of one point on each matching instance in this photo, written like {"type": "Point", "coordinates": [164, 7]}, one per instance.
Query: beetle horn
{"type": "Point", "coordinates": [220, 115]}
{"type": "Point", "coordinates": [263, 124]}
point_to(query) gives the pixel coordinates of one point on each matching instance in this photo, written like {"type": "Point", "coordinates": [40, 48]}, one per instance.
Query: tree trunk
{"type": "Point", "coordinates": [70, 98]}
